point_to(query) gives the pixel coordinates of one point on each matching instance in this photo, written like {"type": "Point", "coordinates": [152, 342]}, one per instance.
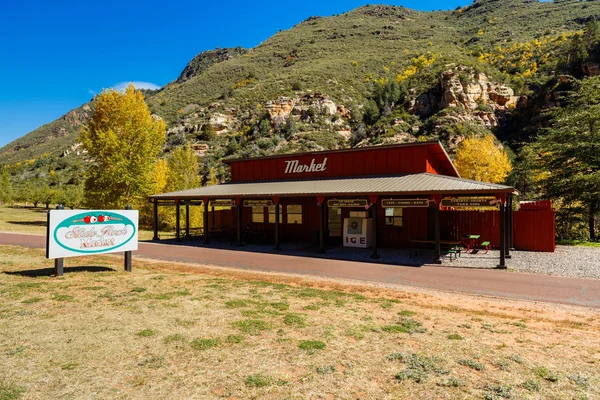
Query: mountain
{"type": "Point", "coordinates": [376, 74]}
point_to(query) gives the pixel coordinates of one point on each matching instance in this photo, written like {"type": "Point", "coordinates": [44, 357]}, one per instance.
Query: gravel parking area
{"type": "Point", "coordinates": [572, 261]}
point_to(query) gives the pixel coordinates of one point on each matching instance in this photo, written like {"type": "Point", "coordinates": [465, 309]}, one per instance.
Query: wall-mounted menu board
{"type": "Point", "coordinates": [347, 203]}
{"type": "Point", "coordinates": [334, 221]}
{"type": "Point", "coordinates": [258, 203]}
{"type": "Point", "coordinates": [400, 203]}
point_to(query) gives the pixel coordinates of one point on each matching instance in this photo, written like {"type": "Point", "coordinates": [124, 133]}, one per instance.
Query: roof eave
{"type": "Point", "coordinates": [340, 194]}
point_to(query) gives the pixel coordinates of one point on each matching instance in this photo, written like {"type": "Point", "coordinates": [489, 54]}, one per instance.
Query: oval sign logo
{"type": "Point", "coordinates": [94, 232]}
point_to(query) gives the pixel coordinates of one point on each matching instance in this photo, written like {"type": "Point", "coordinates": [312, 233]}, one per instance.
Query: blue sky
{"type": "Point", "coordinates": [54, 55]}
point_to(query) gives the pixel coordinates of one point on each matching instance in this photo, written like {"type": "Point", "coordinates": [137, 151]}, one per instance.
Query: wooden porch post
{"type": "Point", "coordinates": [277, 211]}
{"type": "Point", "coordinates": [438, 245]}
{"type": "Point", "coordinates": [155, 237]}
{"type": "Point", "coordinates": [187, 220]}
{"type": "Point", "coordinates": [502, 264]}
{"type": "Point", "coordinates": [507, 216]}
{"type": "Point", "coordinates": [205, 220]}
{"type": "Point", "coordinates": [374, 201]}
{"type": "Point", "coordinates": [322, 205]}
{"type": "Point", "coordinates": [239, 220]}
{"type": "Point", "coordinates": [177, 221]}
{"type": "Point", "coordinates": [510, 223]}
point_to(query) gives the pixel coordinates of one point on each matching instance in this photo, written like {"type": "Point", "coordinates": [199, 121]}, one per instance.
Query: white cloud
{"type": "Point", "coordinates": [137, 84]}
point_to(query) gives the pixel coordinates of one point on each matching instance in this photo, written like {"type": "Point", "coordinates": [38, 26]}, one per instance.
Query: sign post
{"type": "Point", "coordinates": [59, 263]}
{"type": "Point", "coordinates": [73, 233]}
{"type": "Point", "coordinates": [127, 260]}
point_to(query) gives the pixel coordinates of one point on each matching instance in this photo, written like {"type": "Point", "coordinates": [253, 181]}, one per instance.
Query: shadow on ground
{"type": "Point", "coordinates": [35, 273]}
{"type": "Point", "coordinates": [28, 223]}
{"type": "Point", "coordinates": [332, 252]}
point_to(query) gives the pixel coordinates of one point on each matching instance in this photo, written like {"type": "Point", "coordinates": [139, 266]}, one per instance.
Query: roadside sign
{"type": "Point", "coordinates": [347, 203]}
{"type": "Point", "coordinates": [401, 203]}
{"type": "Point", "coordinates": [258, 203]}
{"type": "Point", "coordinates": [73, 233]}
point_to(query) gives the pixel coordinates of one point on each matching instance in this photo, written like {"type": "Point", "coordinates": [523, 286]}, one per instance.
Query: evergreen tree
{"type": "Point", "coordinates": [232, 146]}
{"type": "Point", "coordinates": [569, 151]}
{"type": "Point", "coordinates": [289, 129]}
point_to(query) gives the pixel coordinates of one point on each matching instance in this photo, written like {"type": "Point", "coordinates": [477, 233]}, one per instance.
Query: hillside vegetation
{"type": "Point", "coordinates": [374, 75]}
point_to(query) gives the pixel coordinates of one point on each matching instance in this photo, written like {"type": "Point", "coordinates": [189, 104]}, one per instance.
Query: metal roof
{"type": "Point", "coordinates": [413, 184]}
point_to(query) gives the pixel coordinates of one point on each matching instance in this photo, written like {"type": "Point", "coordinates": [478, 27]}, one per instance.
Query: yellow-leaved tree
{"type": "Point", "coordinates": [183, 172]}
{"type": "Point", "coordinates": [123, 141]}
{"type": "Point", "coordinates": [481, 160]}
{"type": "Point", "coordinates": [160, 176]}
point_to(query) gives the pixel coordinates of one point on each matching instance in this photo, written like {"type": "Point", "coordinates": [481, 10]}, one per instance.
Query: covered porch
{"type": "Point", "coordinates": [401, 211]}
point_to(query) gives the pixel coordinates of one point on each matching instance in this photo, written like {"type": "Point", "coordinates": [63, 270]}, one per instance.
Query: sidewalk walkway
{"type": "Point", "coordinates": [573, 291]}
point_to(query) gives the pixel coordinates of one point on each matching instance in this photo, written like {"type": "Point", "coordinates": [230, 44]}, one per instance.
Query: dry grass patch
{"type": "Point", "coordinates": [176, 331]}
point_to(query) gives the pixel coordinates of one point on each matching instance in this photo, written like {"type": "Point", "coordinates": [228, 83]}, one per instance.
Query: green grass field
{"type": "Point", "coordinates": [578, 243]}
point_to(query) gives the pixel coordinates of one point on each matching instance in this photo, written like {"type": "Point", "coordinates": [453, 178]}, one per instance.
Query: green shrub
{"type": "Point", "coordinates": [326, 369]}
{"type": "Point", "coordinates": [532, 385]}
{"type": "Point", "coordinates": [311, 345]}
{"type": "Point", "coordinates": [236, 304]}
{"type": "Point", "coordinates": [405, 325]}
{"type": "Point", "coordinates": [294, 319]}
{"type": "Point", "coordinates": [204, 344]}
{"type": "Point", "coordinates": [418, 366]}
{"type": "Point", "coordinates": [10, 391]}
{"type": "Point", "coordinates": [472, 364]}
{"type": "Point", "coordinates": [252, 326]}
{"type": "Point", "coordinates": [146, 333]}
{"type": "Point", "coordinates": [545, 373]}
{"type": "Point", "coordinates": [407, 313]}
{"type": "Point", "coordinates": [502, 391]}
{"type": "Point", "coordinates": [258, 380]}
{"type": "Point", "coordinates": [234, 339]}
{"type": "Point", "coordinates": [174, 338]}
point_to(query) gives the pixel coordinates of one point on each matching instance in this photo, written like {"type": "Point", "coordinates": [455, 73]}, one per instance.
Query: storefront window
{"type": "Point", "coordinates": [294, 214]}
{"type": "Point", "coordinates": [393, 216]}
{"type": "Point", "coordinates": [272, 215]}
{"type": "Point", "coordinates": [258, 215]}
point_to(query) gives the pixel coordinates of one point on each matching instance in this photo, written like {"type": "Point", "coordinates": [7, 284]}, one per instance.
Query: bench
{"type": "Point", "coordinates": [221, 232]}
{"type": "Point", "coordinates": [486, 245]}
{"type": "Point", "coordinates": [417, 246]}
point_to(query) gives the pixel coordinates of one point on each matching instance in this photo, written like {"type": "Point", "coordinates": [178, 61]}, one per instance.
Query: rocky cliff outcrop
{"type": "Point", "coordinates": [460, 88]}
{"type": "Point", "coordinates": [206, 59]}
{"type": "Point", "coordinates": [78, 116]}
{"type": "Point", "coordinates": [314, 111]}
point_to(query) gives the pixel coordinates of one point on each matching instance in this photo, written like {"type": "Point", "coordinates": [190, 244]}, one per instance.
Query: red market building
{"type": "Point", "coordinates": [384, 196]}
